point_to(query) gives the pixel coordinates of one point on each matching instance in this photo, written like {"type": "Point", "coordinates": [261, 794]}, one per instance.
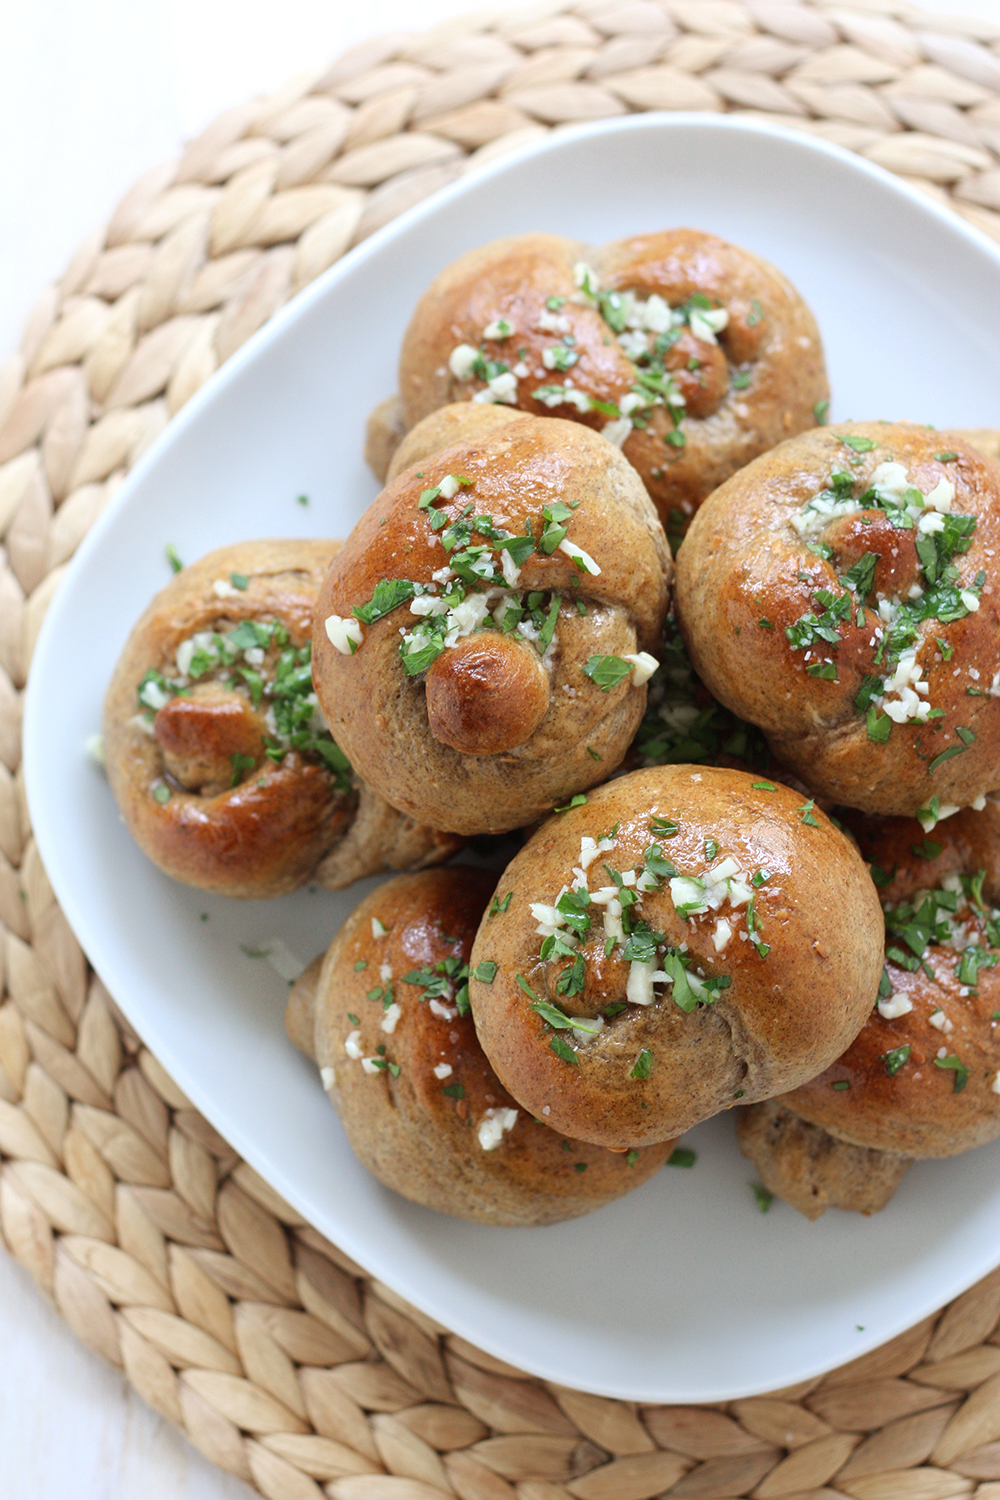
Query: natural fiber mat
{"type": "Point", "coordinates": [280, 1359]}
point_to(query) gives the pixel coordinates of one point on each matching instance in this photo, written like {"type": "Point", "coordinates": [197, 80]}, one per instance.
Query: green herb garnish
{"type": "Point", "coordinates": [606, 671]}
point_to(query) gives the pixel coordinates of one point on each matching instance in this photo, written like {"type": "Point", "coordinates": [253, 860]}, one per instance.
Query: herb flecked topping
{"type": "Point", "coordinates": [897, 692]}
{"type": "Point", "coordinates": [239, 658]}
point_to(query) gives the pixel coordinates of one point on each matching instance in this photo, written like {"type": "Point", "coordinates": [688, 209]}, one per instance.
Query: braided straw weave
{"type": "Point", "coordinates": [280, 1359]}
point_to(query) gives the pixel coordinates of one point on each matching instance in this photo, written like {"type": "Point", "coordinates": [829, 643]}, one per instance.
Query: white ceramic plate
{"type": "Point", "coordinates": [683, 1291]}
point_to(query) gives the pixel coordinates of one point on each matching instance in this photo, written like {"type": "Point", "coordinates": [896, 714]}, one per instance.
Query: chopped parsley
{"type": "Point", "coordinates": [811, 628]}
{"type": "Point", "coordinates": [689, 990]}
{"type": "Point", "coordinates": [682, 1156]}
{"type": "Point", "coordinates": [579, 800]}
{"type": "Point", "coordinates": [388, 594]}
{"type": "Point", "coordinates": [286, 685]}
{"type": "Point", "coordinates": [753, 930]}
{"type": "Point", "coordinates": [954, 1064]}
{"type": "Point", "coordinates": [684, 725]}
{"type": "Point", "coordinates": [878, 726]}
{"type": "Point", "coordinates": [896, 1059]}
{"type": "Point", "coordinates": [564, 1050]}
{"type": "Point", "coordinates": [447, 980]}
{"type": "Point", "coordinates": [948, 754]}
{"type": "Point", "coordinates": [940, 919]}
{"type": "Point", "coordinates": [240, 763]}
{"type": "Point", "coordinates": [606, 671]}
{"type": "Point", "coordinates": [643, 1064]}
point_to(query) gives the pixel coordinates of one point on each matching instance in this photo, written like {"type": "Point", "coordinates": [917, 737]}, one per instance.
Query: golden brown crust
{"type": "Point", "coordinates": [379, 714]}
{"type": "Point", "coordinates": [300, 1012]}
{"type": "Point", "coordinates": [488, 694]}
{"type": "Point", "coordinates": [459, 423]}
{"type": "Point", "coordinates": [922, 1082]}
{"type": "Point", "coordinates": [745, 576]}
{"type": "Point", "coordinates": [384, 431]}
{"type": "Point", "coordinates": [759, 383]}
{"type": "Point", "coordinates": [806, 1167]}
{"type": "Point", "coordinates": [779, 1017]}
{"type": "Point", "coordinates": [231, 819]}
{"type": "Point", "coordinates": [422, 1132]}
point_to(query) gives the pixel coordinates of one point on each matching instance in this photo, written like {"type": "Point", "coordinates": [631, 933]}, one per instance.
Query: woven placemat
{"type": "Point", "coordinates": [283, 1361]}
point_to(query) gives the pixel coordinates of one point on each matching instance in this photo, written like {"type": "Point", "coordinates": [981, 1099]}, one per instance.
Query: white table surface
{"type": "Point", "coordinates": [91, 95]}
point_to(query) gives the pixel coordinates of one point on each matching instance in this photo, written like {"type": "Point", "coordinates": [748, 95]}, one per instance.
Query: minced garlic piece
{"type": "Point", "coordinates": [494, 1126]}
{"type": "Point", "coordinates": [639, 986]}
{"type": "Point", "coordinates": [461, 361]}
{"type": "Point", "coordinates": [341, 632]}
{"type": "Point", "coordinates": [644, 664]}
{"type": "Point", "coordinates": [893, 1006]}
{"type": "Point", "coordinates": [578, 555]}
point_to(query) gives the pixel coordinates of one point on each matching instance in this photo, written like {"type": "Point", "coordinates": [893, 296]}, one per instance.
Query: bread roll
{"type": "Point", "coordinates": [692, 354]}
{"type": "Point", "coordinates": [483, 639]}
{"type": "Point", "coordinates": [386, 1017]}
{"type": "Point", "coordinates": [921, 1078]}
{"type": "Point", "coordinates": [689, 938]}
{"type": "Point", "coordinates": [843, 593]}
{"type": "Point", "coordinates": [812, 1170]}
{"type": "Point", "coordinates": [223, 771]}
